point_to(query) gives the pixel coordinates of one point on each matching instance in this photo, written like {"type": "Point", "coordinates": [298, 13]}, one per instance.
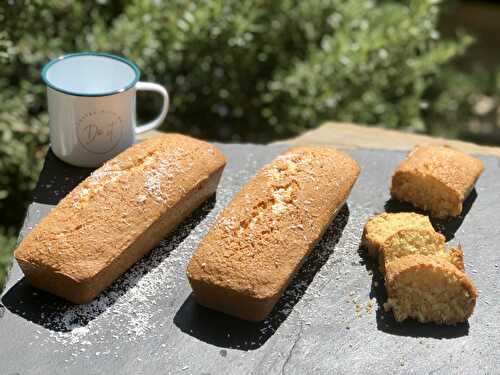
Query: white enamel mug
{"type": "Point", "coordinates": [92, 106]}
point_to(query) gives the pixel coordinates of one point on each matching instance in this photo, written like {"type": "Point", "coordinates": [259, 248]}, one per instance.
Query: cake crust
{"type": "Point", "coordinates": [118, 214]}
{"type": "Point", "coordinates": [436, 179]}
{"type": "Point", "coordinates": [261, 239]}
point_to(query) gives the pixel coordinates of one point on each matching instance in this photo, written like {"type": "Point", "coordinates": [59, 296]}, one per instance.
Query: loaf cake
{"type": "Point", "coordinates": [417, 241]}
{"type": "Point", "coordinates": [436, 179]}
{"type": "Point", "coordinates": [380, 227]}
{"type": "Point", "coordinates": [429, 289]}
{"type": "Point", "coordinates": [261, 239]}
{"type": "Point", "coordinates": [118, 214]}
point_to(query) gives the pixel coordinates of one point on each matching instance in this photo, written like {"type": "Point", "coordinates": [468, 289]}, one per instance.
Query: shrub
{"type": "Point", "coordinates": [21, 154]}
{"type": "Point", "coordinates": [7, 242]}
{"type": "Point", "coordinates": [466, 105]}
{"type": "Point", "coordinates": [240, 70]}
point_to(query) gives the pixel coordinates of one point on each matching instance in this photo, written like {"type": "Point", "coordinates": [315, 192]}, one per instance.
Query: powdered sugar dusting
{"type": "Point", "coordinates": [84, 192]}
{"type": "Point", "coordinates": [153, 184]}
{"type": "Point", "coordinates": [96, 182]}
{"type": "Point", "coordinates": [141, 198]}
{"type": "Point", "coordinates": [228, 223]}
{"type": "Point", "coordinates": [282, 197]}
{"type": "Point", "coordinates": [103, 176]}
{"type": "Point", "coordinates": [165, 171]}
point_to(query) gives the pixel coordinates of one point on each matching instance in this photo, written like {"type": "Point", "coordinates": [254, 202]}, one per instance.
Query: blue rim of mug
{"type": "Point", "coordinates": [101, 54]}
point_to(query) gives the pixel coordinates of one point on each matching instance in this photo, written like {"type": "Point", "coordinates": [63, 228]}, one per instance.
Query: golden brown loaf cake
{"type": "Point", "coordinates": [417, 241]}
{"type": "Point", "coordinates": [436, 179]}
{"type": "Point", "coordinates": [261, 239]}
{"type": "Point", "coordinates": [382, 226]}
{"type": "Point", "coordinates": [429, 289]}
{"type": "Point", "coordinates": [118, 214]}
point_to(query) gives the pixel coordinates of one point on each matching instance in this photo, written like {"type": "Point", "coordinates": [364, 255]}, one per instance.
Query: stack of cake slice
{"type": "Point", "coordinates": [424, 280]}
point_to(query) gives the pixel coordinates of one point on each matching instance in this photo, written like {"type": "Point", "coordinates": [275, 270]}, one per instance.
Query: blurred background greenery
{"type": "Point", "coordinates": [255, 71]}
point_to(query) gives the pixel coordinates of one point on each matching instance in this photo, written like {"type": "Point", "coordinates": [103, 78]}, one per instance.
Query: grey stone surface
{"type": "Point", "coordinates": [330, 319]}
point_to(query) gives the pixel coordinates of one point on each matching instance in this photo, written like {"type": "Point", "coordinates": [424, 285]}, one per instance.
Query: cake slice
{"type": "Point", "coordinates": [417, 241]}
{"type": "Point", "coordinates": [429, 289]}
{"type": "Point", "coordinates": [437, 179]}
{"type": "Point", "coordinates": [380, 227]}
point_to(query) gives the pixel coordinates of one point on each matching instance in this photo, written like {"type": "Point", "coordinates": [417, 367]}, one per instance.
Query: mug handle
{"type": "Point", "coordinates": [148, 86]}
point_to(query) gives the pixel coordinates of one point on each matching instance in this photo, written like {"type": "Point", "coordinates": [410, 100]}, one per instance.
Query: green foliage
{"type": "Point", "coordinates": [7, 243]}
{"type": "Point", "coordinates": [371, 70]}
{"type": "Point", "coordinates": [238, 70]}
{"type": "Point", "coordinates": [250, 70]}
{"type": "Point", "coordinates": [21, 154]}
{"type": "Point", "coordinates": [242, 70]}
{"type": "Point", "coordinates": [455, 108]}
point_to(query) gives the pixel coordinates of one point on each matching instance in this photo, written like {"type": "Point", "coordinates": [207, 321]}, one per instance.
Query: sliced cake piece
{"type": "Point", "coordinates": [436, 179]}
{"type": "Point", "coordinates": [382, 226]}
{"type": "Point", "coordinates": [429, 289]}
{"type": "Point", "coordinates": [417, 241]}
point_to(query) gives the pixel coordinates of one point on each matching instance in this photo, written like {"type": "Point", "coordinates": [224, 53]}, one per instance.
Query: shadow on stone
{"type": "Point", "coordinates": [57, 179]}
{"type": "Point", "coordinates": [447, 227]}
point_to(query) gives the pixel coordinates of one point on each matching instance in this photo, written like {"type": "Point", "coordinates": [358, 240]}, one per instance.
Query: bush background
{"type": "Point", "coordinates": [237, 70]}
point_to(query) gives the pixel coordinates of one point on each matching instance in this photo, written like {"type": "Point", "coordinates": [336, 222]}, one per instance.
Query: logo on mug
{"type": "Point", "coordinates": [99, 131]}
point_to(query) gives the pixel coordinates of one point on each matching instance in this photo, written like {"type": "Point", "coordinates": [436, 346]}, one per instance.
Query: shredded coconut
{"type": "Point", "coordinates": [84, 192]}
{"type": "Point", "coordinates": [282, 198]}
{"type": "Point", "coordinates": [278, 207]}
{"type": "Point", "coordinates": [228, 223]}
{"type": "Point", "coordinates": [141, 199]}
{"type": "Point", "coordinates": [165, 171]}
